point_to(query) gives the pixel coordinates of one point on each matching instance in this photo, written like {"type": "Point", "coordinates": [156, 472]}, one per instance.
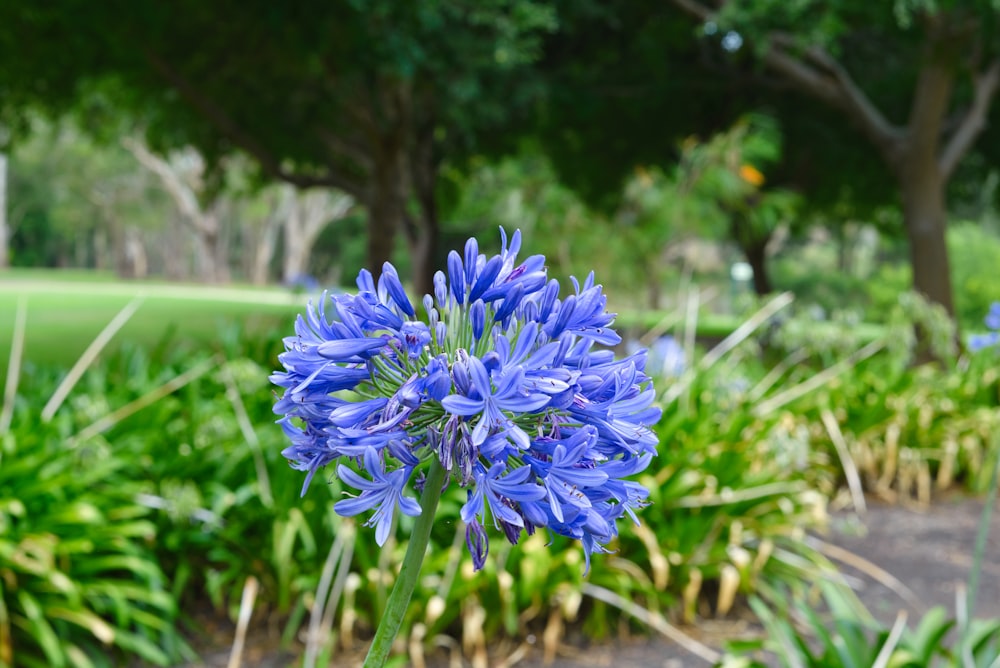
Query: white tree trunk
{"type": "Point", "coordinates": [136, 262]}
{"type": "Point", "coordinates": [311, 213]}
{"type": "Point", "coordinates": [182, 179]}
{"type": "Point", "coordinates": [266, 238]}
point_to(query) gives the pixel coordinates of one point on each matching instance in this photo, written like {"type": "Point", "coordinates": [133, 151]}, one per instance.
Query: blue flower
{"type": "Point", "coordinates": [978, 342]}
{"type": "Point", "coordinates": [384, 493]}
{"type": "Point", "coordinates": [415, 337]}
{"type": "Point", "coordinates": [487, 400]}
{"type": "Point", "coordinates": [992, 318]}
{"type": "Point", "coordinates": [503, 382]}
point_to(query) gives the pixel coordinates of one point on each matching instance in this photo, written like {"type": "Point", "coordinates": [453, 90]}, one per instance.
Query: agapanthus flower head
{"type": "Point", "coordinates": [990, 339]}
{"type": "Point", "coordinates": [499, 378]}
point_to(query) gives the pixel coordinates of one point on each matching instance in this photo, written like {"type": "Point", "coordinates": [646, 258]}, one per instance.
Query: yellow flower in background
{"type": "Point", "coordinates": [643, 176]}
{"type": "Point", "coordinates": [751, 175]}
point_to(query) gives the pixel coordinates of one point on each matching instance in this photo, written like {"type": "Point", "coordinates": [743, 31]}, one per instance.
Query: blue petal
{"type": "Point", "coordinates": [345, 350]}
{"type": "Point", "coordinates": [390, 281]}
{"type": "Point", "coordinates": [456, 277]}
{"type": "Point", "coordinates": [486, 277]}
{"type": "Point", "coordinates": [456, 404]}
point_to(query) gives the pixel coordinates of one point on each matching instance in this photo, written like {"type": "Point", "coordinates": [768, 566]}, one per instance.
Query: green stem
{"type": "Point", "coordinates": [983, 534]}
{"type": "Point", "coordinates": [399, 599]}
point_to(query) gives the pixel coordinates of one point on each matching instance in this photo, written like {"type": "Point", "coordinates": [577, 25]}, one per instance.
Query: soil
{"type": "Point", "coordinates": [896, 558]}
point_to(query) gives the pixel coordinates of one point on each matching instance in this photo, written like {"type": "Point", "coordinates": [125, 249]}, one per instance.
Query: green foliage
{"type": "Point", "coordinates": [801, 637]}
{"type": "Point", "coordinates": [206, 500]}
{"type": "Point", "coordinates": [976, 255]}
{"type": "Point", "coordinates": [732, 495]}
{"type": "Point", "coordinates": [80, 584]}
{"type": "Point", "coordinates": [816, 276]}
{"type": "Point", "coordinates": [70, 196]}
{"type": "Point", "coordinates": [908, 431]}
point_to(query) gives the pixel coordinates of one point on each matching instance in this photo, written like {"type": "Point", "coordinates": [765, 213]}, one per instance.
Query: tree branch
{"type": "Point", "coordinates": [974, 121]}
{"type": "Point", "coordinates": [822, 77]}
{"type": "Point", "coordinates": [181, 193]}
{"type": "Point", "coordinates": [855, 102]}
{"type": "Point", "coordinates": [345, 147]}
{"type": "Point", "coordinates": [225, 124]}
{"type": "Point", "coordinates": [320, 209]}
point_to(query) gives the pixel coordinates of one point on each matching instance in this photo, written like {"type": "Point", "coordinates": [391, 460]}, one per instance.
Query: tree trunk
{"type": "Point", "coordinates": [266, 239]}
{"type": "Point", "coordinates": [175, 249]}
{"type": "Point", "coordinates": [423, 230]}
{"type": "Point", "coordinates": [264, 251]}
{"type": "Point", "coordinates": [102, 256]}
{"type": "Point", "coordinates": [753, 243]}
{"type": "Point", "coordinates": [182, 179]}
{"type": "Point", "coordinates": [136, 263]}
{"type": "Point", "coordinates": [295, 263]}
{"type": "Point", "coordinates": [4, 238]}
{"type": "Point", "coordinates": [386, 204]}
{"type": "Point", "coordinates": [424, 240]}
{"type": "Point", "coordinates": [654, 289]}
{"type": "Point", "coordinates": [756, 255]}
{"type": "Point", "coordinates": [309, 214]}
{"type": "Point", "coordinates": [926, 221]}
{"type": "Point", "coordinates": [205, 235]}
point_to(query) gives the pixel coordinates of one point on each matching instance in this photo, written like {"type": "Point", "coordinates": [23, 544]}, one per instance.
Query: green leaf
{"type": "Point", "coordinates": [925, 640]}
{"type": "Point", "coordinates": [77, 657]}
{"type": "Point", "coordinates": [85, 619]}
{"type": "Point", "coordinates": [143, 647]}
{"type": "Point", "coordinates": [42, 632]}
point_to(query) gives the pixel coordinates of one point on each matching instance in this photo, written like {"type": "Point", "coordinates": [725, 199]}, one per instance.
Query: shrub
{"type": "Point", "coordinates": [79, 582]}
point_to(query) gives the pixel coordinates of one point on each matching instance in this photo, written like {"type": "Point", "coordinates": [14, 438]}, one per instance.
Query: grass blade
{"type": "Point", "coordinates": [314, 635]}
{"type": "Point", "coordinates": [752, 323]}
{"type": "Point", "coordinates": [980, 551]}
{"type": "Point", "coordinates": [870, 569]}
{"type": "Point", "coordinates": [249, 434]}
{"type": "Point", "coordinates": [88, 357]}
{"type": "Point", "coordinates": [814, 382]}
{"type": "Point", "coordinates": [145, 400]}
{"type": "Point", "coordinates": [243, 621]}
{"type": "Point", "coordinates": [653, 620]}
{"type": "Point", "coordinates": [846, 462]}
{"type": "Point", "coordinates": [885, 654]}
{"type": "Point", "coordinates": [14, 368]}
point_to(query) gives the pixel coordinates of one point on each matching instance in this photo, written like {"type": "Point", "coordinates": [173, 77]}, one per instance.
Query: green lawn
{"type": "Point", "coordinates": [66, 310]}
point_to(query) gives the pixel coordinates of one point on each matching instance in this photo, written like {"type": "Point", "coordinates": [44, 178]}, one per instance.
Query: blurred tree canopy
{"type": "Point", "coordinates": [877, 103]}
{"type": "Point", "coordinates": [365, 96]}
{"type": "Point", "coordinates": [916, 78]}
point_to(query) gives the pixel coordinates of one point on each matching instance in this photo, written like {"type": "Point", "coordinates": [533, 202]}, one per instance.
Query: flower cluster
{"type": "Point", "coordinates": [501, 380]}
{"type": "Point", "coordinates": [992, 320]}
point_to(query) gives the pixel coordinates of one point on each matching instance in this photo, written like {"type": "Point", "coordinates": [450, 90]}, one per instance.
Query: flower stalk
{"type": "Point", "coordinates": [402, 590]}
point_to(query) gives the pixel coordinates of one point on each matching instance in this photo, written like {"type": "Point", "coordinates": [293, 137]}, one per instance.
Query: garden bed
{"type": "Point", "coordinates": [928, 550]}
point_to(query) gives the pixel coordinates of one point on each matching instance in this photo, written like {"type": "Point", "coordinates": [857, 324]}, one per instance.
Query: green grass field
{"type": "Point", "coordinates": [66, 310]}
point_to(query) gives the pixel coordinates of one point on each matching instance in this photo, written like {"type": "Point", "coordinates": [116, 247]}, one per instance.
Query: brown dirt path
{"type": "Point", "coordinates": [929, 550]}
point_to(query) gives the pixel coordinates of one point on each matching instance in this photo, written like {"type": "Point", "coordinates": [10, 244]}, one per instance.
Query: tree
{"type": "Point", "coordinates": [182, 176]}
{"type": "Point", "coordinates": [715, 191]}
{"type": "Point", "coordinates": [727, 169]}
{"type": "Point", "coordinates": [308, 214]}
{"type": "Point", "coordinates": [368, 98]}
{"type": "Point", "coordinates": [941, 66]}
{"type": "Point", "coordinates": [75, 203]}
